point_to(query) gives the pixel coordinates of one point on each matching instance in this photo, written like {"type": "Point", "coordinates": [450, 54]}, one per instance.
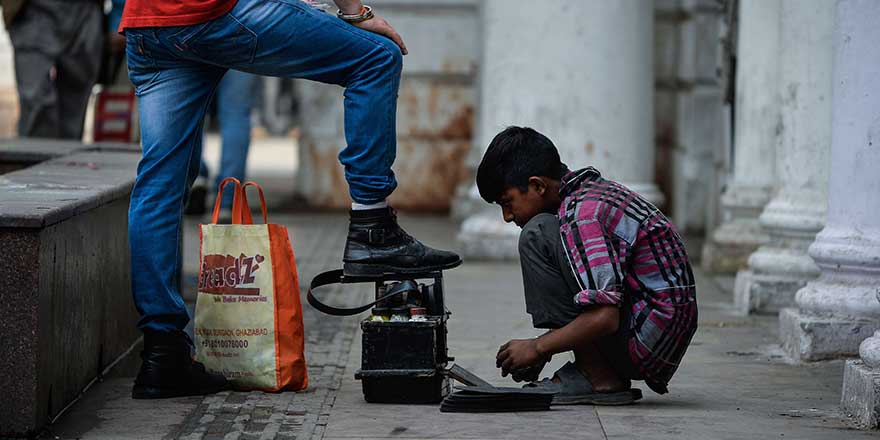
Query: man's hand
{"type": "Point", "coordinates": [518, 354]}
{"type": "Point", "coordinates": [378, 25]}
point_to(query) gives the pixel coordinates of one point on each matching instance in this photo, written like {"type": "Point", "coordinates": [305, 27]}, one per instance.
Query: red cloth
{"type": "Point", "coordinates": [161, 13]}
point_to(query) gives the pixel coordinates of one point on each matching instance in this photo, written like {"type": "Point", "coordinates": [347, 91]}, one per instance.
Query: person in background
{"type": "Point", "coordinates": [116, 41]}
{"type": "Point", "coordinates": [235, 99]}
{"type": "Point", "coordinates": [58, 47]}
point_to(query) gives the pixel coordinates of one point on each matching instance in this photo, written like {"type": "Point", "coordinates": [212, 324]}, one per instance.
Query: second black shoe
{"type": "Point", "coordinates": [377, 245]}
{"type": "Point", "coordinates": [197, 202]}
{"type": "Point", "coordinates": [168, 369]}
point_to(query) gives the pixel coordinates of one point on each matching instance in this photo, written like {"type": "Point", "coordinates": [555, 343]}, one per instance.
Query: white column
{"type": "Point", "coordinates": [860, 398]}
{"type": "Point", "coordinates": [840, 309]}
{"type": "Point", "coordinates": [797, 212]}
{"type": "Point", "coordinates": [8, 93]}
{"type": "Point", "coordinates": [755, 138]}
{"type": "Point", "coordinates": [552, 66]}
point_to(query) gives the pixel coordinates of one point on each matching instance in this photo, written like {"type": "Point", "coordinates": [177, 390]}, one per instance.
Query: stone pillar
{"type": "Point", "coordinates": [590, 94]}
{"type": "Point", "coordinates": [701, 122]}
{"type": "Point", "coordinates": [797, 211]}
{"type": "Point", "coordinates": [861, 385]}
{"type": "Point", "coordinates": [840, 309]}
{"type": "Point", "coordinates": [755, 139]}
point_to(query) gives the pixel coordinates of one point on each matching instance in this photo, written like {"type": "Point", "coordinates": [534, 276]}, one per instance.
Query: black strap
{"type": "Point", "coordinates": [335, 277]}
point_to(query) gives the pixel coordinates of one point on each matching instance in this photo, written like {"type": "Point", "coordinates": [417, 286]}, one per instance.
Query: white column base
{"type": "Point", "coordinates": [485, 236]}
{"type": "Point", "coordinates": [860, 398]}
{"type": "Point", "coordinates": [774, 276]}
{"type": "Point", "coordinates": [808, 337]}
{"type": "Point", "coordinates": [729, 247]}
{"type": "Point", "coordinates": [764, 294]}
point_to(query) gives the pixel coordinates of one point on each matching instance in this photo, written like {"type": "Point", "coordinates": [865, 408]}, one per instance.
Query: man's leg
{"type": "Point", "coordinates": [36, 44]}
{"type": "Point", "coordinates": [172, 99]}
{"type": "Point", "coordinates": [38, 116]}
{"type": "Point", "coordinates": [296, 40]}
{"type": "Point", "coordinates": [235, 98]}
{"type": "Point", "coordinates": [78, 66]}
{"type": "Point", "coordinates": [299, 41]}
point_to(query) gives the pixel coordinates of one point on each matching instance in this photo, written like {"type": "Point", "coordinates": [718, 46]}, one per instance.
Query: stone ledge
{"type": "Point", "coordinates": [28, 151]}
{"type": "Point", "coordinates": [65, 284]}
{"type": "Point", "coordinates": [860, 398]}
{"type": "Point", "coordinates": [58, 189]}
{"type": "Point", "coordinates": [807, 337]}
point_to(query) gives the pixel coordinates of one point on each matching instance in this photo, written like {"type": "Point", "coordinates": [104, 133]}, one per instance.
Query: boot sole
{"type": "Point", "coordinates": [381, 270]}
{"type": "Point", "coordinates": [145, 392]}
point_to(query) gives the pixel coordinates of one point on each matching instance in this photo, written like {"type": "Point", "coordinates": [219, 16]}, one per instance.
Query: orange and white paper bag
{"type": "Point", "coordinates": [248, 323]}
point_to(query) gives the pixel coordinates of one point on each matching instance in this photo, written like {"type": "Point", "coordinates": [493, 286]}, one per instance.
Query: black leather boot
{"type": "Point", "coordinates": [377, 245]}
{"type": "Point", "coordinates": [168, 369]}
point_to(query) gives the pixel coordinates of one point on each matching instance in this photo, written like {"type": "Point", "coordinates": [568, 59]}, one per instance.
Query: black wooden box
{"type": "Point", "coordinates": [403, 362]}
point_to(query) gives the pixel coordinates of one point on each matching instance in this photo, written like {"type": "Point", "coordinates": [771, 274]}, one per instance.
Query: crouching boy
{"type": "Point", "coordinates": [603, 269]}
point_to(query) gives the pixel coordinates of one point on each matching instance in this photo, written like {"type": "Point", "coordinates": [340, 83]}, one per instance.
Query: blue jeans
{"type": "Point", "coordinates": [176, 70]}
{"type": "Point", "coordinates": [235, 98]}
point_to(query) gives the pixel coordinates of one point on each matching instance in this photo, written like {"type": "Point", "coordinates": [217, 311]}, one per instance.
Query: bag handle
{"type": "Point", "coordinates": [241, 211]}
{"type": "Point", "coordinates": [236, 201]}
{"type": "Point", "coordinates": [262, 199]}
{"type": "Point", "coordinates": [244, 214]}
{"type": "Point", "coordinates": [334, 277]}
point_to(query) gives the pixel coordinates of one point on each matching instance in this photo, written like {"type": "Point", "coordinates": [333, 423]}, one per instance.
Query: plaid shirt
{"type": "Point", "coordinates": [625, 252]}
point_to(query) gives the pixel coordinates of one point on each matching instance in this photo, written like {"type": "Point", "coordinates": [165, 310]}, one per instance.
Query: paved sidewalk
{"type": "Point", "coordinates": [734, 382]}
{"type": "Point", "coordinates": [108, 412]}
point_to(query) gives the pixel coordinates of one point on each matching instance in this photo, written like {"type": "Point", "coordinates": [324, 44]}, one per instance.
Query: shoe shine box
{"type": "Point", "coordinates": [404, 361]}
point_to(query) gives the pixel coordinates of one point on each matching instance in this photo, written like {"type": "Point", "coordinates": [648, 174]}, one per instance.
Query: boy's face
{"type": "Point", "coordinates": [520, 206]}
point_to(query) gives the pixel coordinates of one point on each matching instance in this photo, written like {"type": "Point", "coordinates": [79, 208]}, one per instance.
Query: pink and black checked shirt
{"type": "Point", "coordinates": [625, 252]}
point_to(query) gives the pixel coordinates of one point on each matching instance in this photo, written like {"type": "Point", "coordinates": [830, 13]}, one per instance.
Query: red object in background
{"type": "Point", "coordinates": [114, 114]}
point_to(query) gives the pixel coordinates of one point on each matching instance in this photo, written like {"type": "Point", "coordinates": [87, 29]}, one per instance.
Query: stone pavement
{"type": "Point", "coordinates": [734, 382]}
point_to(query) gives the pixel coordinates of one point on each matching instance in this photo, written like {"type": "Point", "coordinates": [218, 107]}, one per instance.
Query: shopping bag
{"type": "Point", "coordinates": [248, 323]}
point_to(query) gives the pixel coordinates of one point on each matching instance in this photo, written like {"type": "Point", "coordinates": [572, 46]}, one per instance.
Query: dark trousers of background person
{"type": "Point", "coordinates": [58, 47]}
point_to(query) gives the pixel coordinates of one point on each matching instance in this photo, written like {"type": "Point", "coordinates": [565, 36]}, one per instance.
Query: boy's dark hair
{"type": "Point", "coordinates": [513, 156]}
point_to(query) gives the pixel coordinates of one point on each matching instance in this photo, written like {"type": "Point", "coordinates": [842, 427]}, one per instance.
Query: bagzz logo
{"type": "Point", "coordinates": [228, 275]}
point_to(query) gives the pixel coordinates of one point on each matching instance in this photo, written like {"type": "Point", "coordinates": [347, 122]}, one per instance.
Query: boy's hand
{"type": "Point", "coordinates": [518, 354]}
{"type": "Point", "coordinates": [528, 374]}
